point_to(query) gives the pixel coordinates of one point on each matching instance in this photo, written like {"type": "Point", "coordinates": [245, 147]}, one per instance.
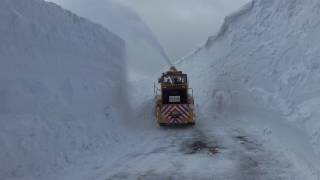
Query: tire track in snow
{"type": "Point", "coordinates": [184, 153]}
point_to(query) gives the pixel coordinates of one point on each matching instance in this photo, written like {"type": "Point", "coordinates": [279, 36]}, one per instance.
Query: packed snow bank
{"type": "Point", "coordinates": [143, 49]}
{"type": "Point", "coordinates": [265, 59]}
{"type": "Point", "coordinates": [61, 80]}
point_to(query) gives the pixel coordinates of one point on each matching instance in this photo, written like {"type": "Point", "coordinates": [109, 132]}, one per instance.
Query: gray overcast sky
{"type": "Point", "coordinates": [181, 25]}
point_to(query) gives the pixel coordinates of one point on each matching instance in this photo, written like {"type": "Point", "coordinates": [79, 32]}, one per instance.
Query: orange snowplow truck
{"type": "Point", "coordinates": [174, 99]}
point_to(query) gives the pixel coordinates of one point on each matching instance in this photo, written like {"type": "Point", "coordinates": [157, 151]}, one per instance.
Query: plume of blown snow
{"type": "Point", "coordinates": [142, 48]}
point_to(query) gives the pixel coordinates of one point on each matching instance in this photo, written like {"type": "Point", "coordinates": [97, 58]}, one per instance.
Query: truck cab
{"type": "Point", "coordinates": [174, 99]}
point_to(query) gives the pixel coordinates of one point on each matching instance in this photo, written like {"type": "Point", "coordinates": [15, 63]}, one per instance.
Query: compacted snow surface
{"type": "Point", "coordinates": [256, 92]}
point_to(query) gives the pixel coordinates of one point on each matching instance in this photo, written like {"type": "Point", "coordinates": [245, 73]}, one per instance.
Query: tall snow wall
{"type": "Point", "coordinates": [61, 80]}
{"type": "Point", "coordinates": [266, 56]}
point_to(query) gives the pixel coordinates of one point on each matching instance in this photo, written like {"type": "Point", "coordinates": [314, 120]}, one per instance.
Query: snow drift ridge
{"type": "Point", "coordinates": [229, 19]}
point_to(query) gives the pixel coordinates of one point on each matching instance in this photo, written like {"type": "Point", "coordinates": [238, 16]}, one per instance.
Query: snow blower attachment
{"type": "Point", "coordinates": [174, 99]}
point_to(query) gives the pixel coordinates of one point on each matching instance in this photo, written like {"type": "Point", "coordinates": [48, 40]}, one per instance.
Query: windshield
{"type": "Point", "coordinates": [175, 79]}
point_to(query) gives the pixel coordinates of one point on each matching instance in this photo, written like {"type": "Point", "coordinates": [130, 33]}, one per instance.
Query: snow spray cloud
{"type": "Point", "coordinates": [145, 55]}
{"type": "Point", "coordinates": [181, 25]}
{"type": "Point", "coordinates": [166, 57]}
